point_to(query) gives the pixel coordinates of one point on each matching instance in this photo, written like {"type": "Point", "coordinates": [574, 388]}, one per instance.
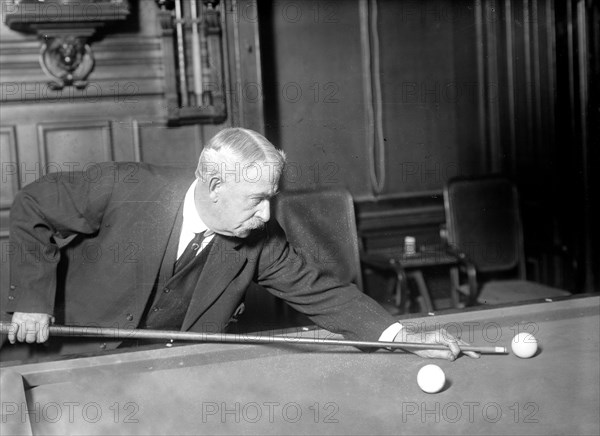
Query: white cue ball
{"type": "Point", "coordinates": [524, 345]}
{"type": "Point", "coordinates": [431, 379]}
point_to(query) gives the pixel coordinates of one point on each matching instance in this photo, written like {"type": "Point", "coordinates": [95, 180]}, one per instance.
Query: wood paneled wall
{"type": "Point", "coordinates": [120, 115]}
{"type": "Point", "coordinates": [376, 96]}
{"type": "Point", "coordinates": [370, 95]}
{"type": "Point", "coordinates": [390, 98]}
{"type": "Point", "coordinates": [45, 130]}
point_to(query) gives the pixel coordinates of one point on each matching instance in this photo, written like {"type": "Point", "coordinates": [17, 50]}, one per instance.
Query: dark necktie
{"type": "Point", "coordinates": [190, 252]}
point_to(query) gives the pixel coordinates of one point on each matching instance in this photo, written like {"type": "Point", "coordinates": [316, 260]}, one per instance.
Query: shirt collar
{"type": "Point", "coordinates": [191, 220]}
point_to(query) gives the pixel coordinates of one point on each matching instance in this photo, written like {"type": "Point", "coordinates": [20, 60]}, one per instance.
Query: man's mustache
{"type": "Point", "coordinates": [257, 224]}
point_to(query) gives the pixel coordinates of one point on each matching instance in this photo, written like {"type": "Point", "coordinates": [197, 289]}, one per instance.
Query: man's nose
{"type": "Point", "coordinates": [264, 213]}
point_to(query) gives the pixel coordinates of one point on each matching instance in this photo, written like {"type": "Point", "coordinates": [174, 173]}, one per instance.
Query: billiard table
{"type": "Point", "coordinates": [278, 389]}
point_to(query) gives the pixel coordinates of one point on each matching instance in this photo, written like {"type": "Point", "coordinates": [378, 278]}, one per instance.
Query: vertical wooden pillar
{"type": "Point", "coordinates": [246, 94]}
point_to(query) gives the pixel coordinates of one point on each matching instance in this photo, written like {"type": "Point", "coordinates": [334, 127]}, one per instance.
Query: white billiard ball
{"type": "Point", "coordinates": [524, 345]}
{"type": "Point", "coordinates": [431, 379]}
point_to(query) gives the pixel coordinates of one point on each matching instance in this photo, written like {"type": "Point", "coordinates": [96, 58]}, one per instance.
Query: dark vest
{"type": "Point", "coordinates": [172, 293]}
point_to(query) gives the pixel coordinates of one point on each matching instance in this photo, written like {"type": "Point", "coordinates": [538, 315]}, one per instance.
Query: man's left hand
{"type": "Point", "coordinates": [440, 336]}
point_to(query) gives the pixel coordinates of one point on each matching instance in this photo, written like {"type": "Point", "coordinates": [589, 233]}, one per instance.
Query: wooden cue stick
{"type": "Point", "coordinates": [196, 54]}
{"type": "Point", "coordinates": [115, 333]}
{"type": "Point", "coordinates": [181, 53]}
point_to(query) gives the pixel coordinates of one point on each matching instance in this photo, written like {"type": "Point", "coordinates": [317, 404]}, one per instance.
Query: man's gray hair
{"type": "Point", "coordinates": [238, 147]}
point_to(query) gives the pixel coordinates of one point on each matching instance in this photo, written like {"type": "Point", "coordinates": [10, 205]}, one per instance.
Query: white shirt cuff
{"type": "Point", "coordinates": [390, 333]}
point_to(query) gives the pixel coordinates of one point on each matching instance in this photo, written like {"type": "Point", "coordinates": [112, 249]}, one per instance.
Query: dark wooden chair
{"type": "Point", "coordinates": [483, 230]}
{"type": "Point", "coordinates": [321, 223]}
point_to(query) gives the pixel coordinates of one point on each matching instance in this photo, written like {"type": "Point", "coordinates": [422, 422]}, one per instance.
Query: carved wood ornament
{"type": "Point", "coordinates": [64, 28]}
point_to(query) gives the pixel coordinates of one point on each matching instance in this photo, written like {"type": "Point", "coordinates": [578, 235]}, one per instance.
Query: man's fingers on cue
{"type": "Point", "coordinates": [472, 354]}
{"type": "Point", "coordinates": [29, 331]}
{"type": "Point", "coordinates": [447, 355]}
{"type": "Point", "coordinates": [455, 350]}
{"type": "Point", "coordinates": [21, 332]}
{"type": "Point", "coordinates": [31, 336]}
{"type": "Point", "coordinates": [43, 333]}
{"type": "Point", "coordinates": [32, 331]}
{"type": "Point", "coordinates": [12, 334]}
{"type": "Point", "coordinates": [453, 345]}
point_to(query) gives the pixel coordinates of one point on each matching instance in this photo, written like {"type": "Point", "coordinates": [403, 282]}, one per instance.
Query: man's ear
{"type": "Point", "coordinates": [214, 187]}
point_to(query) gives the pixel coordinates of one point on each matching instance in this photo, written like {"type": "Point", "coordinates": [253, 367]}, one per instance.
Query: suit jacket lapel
{"type": "Point", "coordinates": [224, 262]}
{"type": "Point", "coordinates": [154, 230]}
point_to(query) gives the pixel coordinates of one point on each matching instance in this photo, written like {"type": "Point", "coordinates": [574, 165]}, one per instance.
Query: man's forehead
{"type": "Point", "coordinates": [251, 172]}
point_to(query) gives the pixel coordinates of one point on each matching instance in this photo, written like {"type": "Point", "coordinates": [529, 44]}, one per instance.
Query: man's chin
{"type": "Point", "coordinates": [242, 233]}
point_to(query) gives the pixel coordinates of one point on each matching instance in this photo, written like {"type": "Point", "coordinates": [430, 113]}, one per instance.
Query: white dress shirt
{"type": "Point", "coordinates": [192, 223]}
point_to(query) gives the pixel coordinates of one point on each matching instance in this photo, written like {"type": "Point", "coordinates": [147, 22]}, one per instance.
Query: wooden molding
{"type": "Point", "coordinates": [9, 157]}
{"type": "Point", "coordinates": [399, 213]}
{"type": "Point", "coordinates": [45, 128]}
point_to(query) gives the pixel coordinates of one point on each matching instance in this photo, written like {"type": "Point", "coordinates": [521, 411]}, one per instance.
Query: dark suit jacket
{"type": "Point", "coordinates": [107, 230]}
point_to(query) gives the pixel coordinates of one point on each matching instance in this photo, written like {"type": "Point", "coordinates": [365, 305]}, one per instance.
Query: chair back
{"type": "Point", "coordinates": [483, 221]}
{"type": "Point", "coordinates": [321, 224]}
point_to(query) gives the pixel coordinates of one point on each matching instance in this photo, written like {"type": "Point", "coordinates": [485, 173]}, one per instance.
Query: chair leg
{"type": "Point", "coordinates": [455, 288]}
{"type": "Point", "coordinates": [473, 289]}
{"type": "Point", "coordinates": [401, 292]}
{"type": "Point", "coordinates": [417, 275]}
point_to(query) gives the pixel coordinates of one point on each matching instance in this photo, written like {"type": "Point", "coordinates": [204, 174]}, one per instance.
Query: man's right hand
{"type": "Point", "coordinates": [30, 327]}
